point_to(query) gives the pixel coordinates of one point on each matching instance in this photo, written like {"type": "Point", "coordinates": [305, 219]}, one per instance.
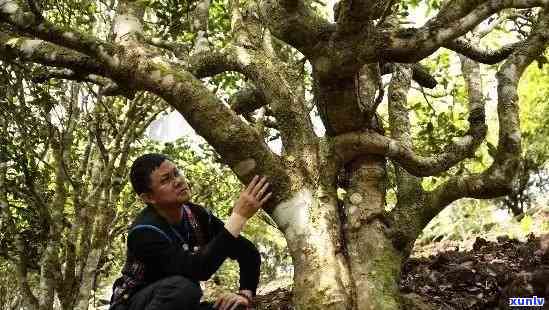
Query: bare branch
{"type": "Point", "coordinates": [485, 56]}
{"type": "Point", "coordinates": [67, 74]}
{"type": "Point", "coordinates": [498, 179]}
{"type": "Point", "coordinates": [211, 63]}
{"type": "Point", "coordinates": [13, 46]}
{"type": "Point", "coordinates": [453, 21]}
{"type": "Point", "coordinates": [350, 145]}
{"type": "Point", "coordinates": [273, 81]}
{"type": "Point", "coordinates": [180, 50]}
{"type": "Point", "coordinates": [492, 25]}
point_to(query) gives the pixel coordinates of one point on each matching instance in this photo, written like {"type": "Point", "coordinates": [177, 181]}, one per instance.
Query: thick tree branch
{"type": "Point", "coordinates": [350, 145]}
{"type": "Point", "coordinates": [485, 56]}
{"type": "Point", "coordinates": [409, 190]}
{"type": "Point", "coordinates": [352, 15]}
{"type": "Point", "coordinates": [68, 74]}
{"type": "Point", "coordinates": [274, 83]}
{"type": "Point", "coordinates": [41, 52]}
{"type": "Point", "coordinates": [247, 100]}
{"type": "Point", "coordinates": [32, 25]}
{"type": "Point", "coordinates": [399, 120]}
{"type": "Point", "coordinates": [241, 147]}
{"type": "Point", "coordinates": [453, 21]}
{"type": "Point", "coordinates": [497, 180]}
{"type": "Point", "coordinates": [215, 62]}
{"type": "Point", "coordinates": [293, 22]}
{"type": "Point", "coordinates": [420, 74]}
{"type": "Point", "coordinates": [180, 50]}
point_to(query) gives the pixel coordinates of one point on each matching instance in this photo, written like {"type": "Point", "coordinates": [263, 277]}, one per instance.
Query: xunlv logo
{"type": "Point", "coordinates": [526, 301]}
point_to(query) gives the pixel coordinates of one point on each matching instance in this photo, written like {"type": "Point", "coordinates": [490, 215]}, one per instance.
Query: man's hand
{"type": "Point", "coordinates": [230, 301]}
{"type": "Point", "coordinates": [252, 198]}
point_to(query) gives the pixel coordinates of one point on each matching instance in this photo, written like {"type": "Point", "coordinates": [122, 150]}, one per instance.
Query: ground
{"type": "Point", "coordinates": [482, 278]}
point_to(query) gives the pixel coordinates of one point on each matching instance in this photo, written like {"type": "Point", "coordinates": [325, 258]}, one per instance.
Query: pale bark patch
{"type": "Point", "coordinates": [356, 198]}
{"type": "Point", "coordinates": [168, 81]}
{"type": "Point", "coordinates": [467, 140]}
{"type": "Point", "coordinates": [114, 61]}
{"type": "Point", "coordinates": [294, 211]}
{"type": "Point", "coordinates": [515, 137]}
{"type": "Point", "coordinates": [69, 35]}
{"type": "Point", "coordinates": [156, 75]}
{"type": "Point", "coordinates": [243, 56]}
{"type": "Point", "coordinates": [28, 46]}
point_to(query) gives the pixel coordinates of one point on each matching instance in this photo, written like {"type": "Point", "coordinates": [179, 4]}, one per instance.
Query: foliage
{"type": "Point", "coordinates": [63, 151]}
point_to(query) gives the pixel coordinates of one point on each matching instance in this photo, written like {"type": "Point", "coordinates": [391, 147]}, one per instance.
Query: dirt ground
{"type": "Point", "coordinates": [482, 278]}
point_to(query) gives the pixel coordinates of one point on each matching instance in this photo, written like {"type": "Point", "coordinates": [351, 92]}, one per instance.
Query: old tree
{"type": "Point", "coordinates": [347, 250]}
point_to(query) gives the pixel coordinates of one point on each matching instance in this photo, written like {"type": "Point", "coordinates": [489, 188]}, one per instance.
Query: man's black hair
{"type": "Point", "coordinates": [142, 168]}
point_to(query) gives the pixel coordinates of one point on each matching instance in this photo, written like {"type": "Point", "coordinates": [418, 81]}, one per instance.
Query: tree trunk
{"type": "Point", "coordinates": [374, 262]}
{"type": "Point", "coordinates": [310, 222]}
{"type": "Point", "coordinates": [340, 263]}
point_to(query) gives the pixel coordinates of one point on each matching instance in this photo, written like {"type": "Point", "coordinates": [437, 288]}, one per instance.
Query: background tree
{"type": "Point", "coordinates": [347, 251]}
{"type": "Point", "coordinates": [64, 163]}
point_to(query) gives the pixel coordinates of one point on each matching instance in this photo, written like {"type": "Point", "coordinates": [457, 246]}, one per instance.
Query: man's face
{"type": "Point", "coordinates": [168, 187]}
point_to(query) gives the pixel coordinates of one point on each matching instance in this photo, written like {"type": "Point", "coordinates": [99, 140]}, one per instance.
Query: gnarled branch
{"type": "Point", "coordinates": [497, 180]}
{"type": "Point", "coordinates": [350, 145]}
{"type": "Point", "coordinates": [293, 22]}
{"type": "Point", "coordinates": [453, 21]}
{"type": "Point", "coordinates": [485, 56]}
{"type": "Point", "coordinates": [42, 52]}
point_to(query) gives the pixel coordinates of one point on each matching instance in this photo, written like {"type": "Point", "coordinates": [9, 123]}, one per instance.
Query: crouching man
{"type": "Point", "coordinates": [174, 244]}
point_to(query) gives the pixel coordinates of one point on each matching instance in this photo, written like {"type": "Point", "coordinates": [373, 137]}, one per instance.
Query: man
{"type": "Point", "coordinates": [173, 244]}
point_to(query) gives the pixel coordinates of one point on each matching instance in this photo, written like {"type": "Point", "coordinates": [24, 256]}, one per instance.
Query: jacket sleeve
{"type": "Point", "coordinates": [246, 254]}
{"type": "Point", "coordinates": [164, 258]}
